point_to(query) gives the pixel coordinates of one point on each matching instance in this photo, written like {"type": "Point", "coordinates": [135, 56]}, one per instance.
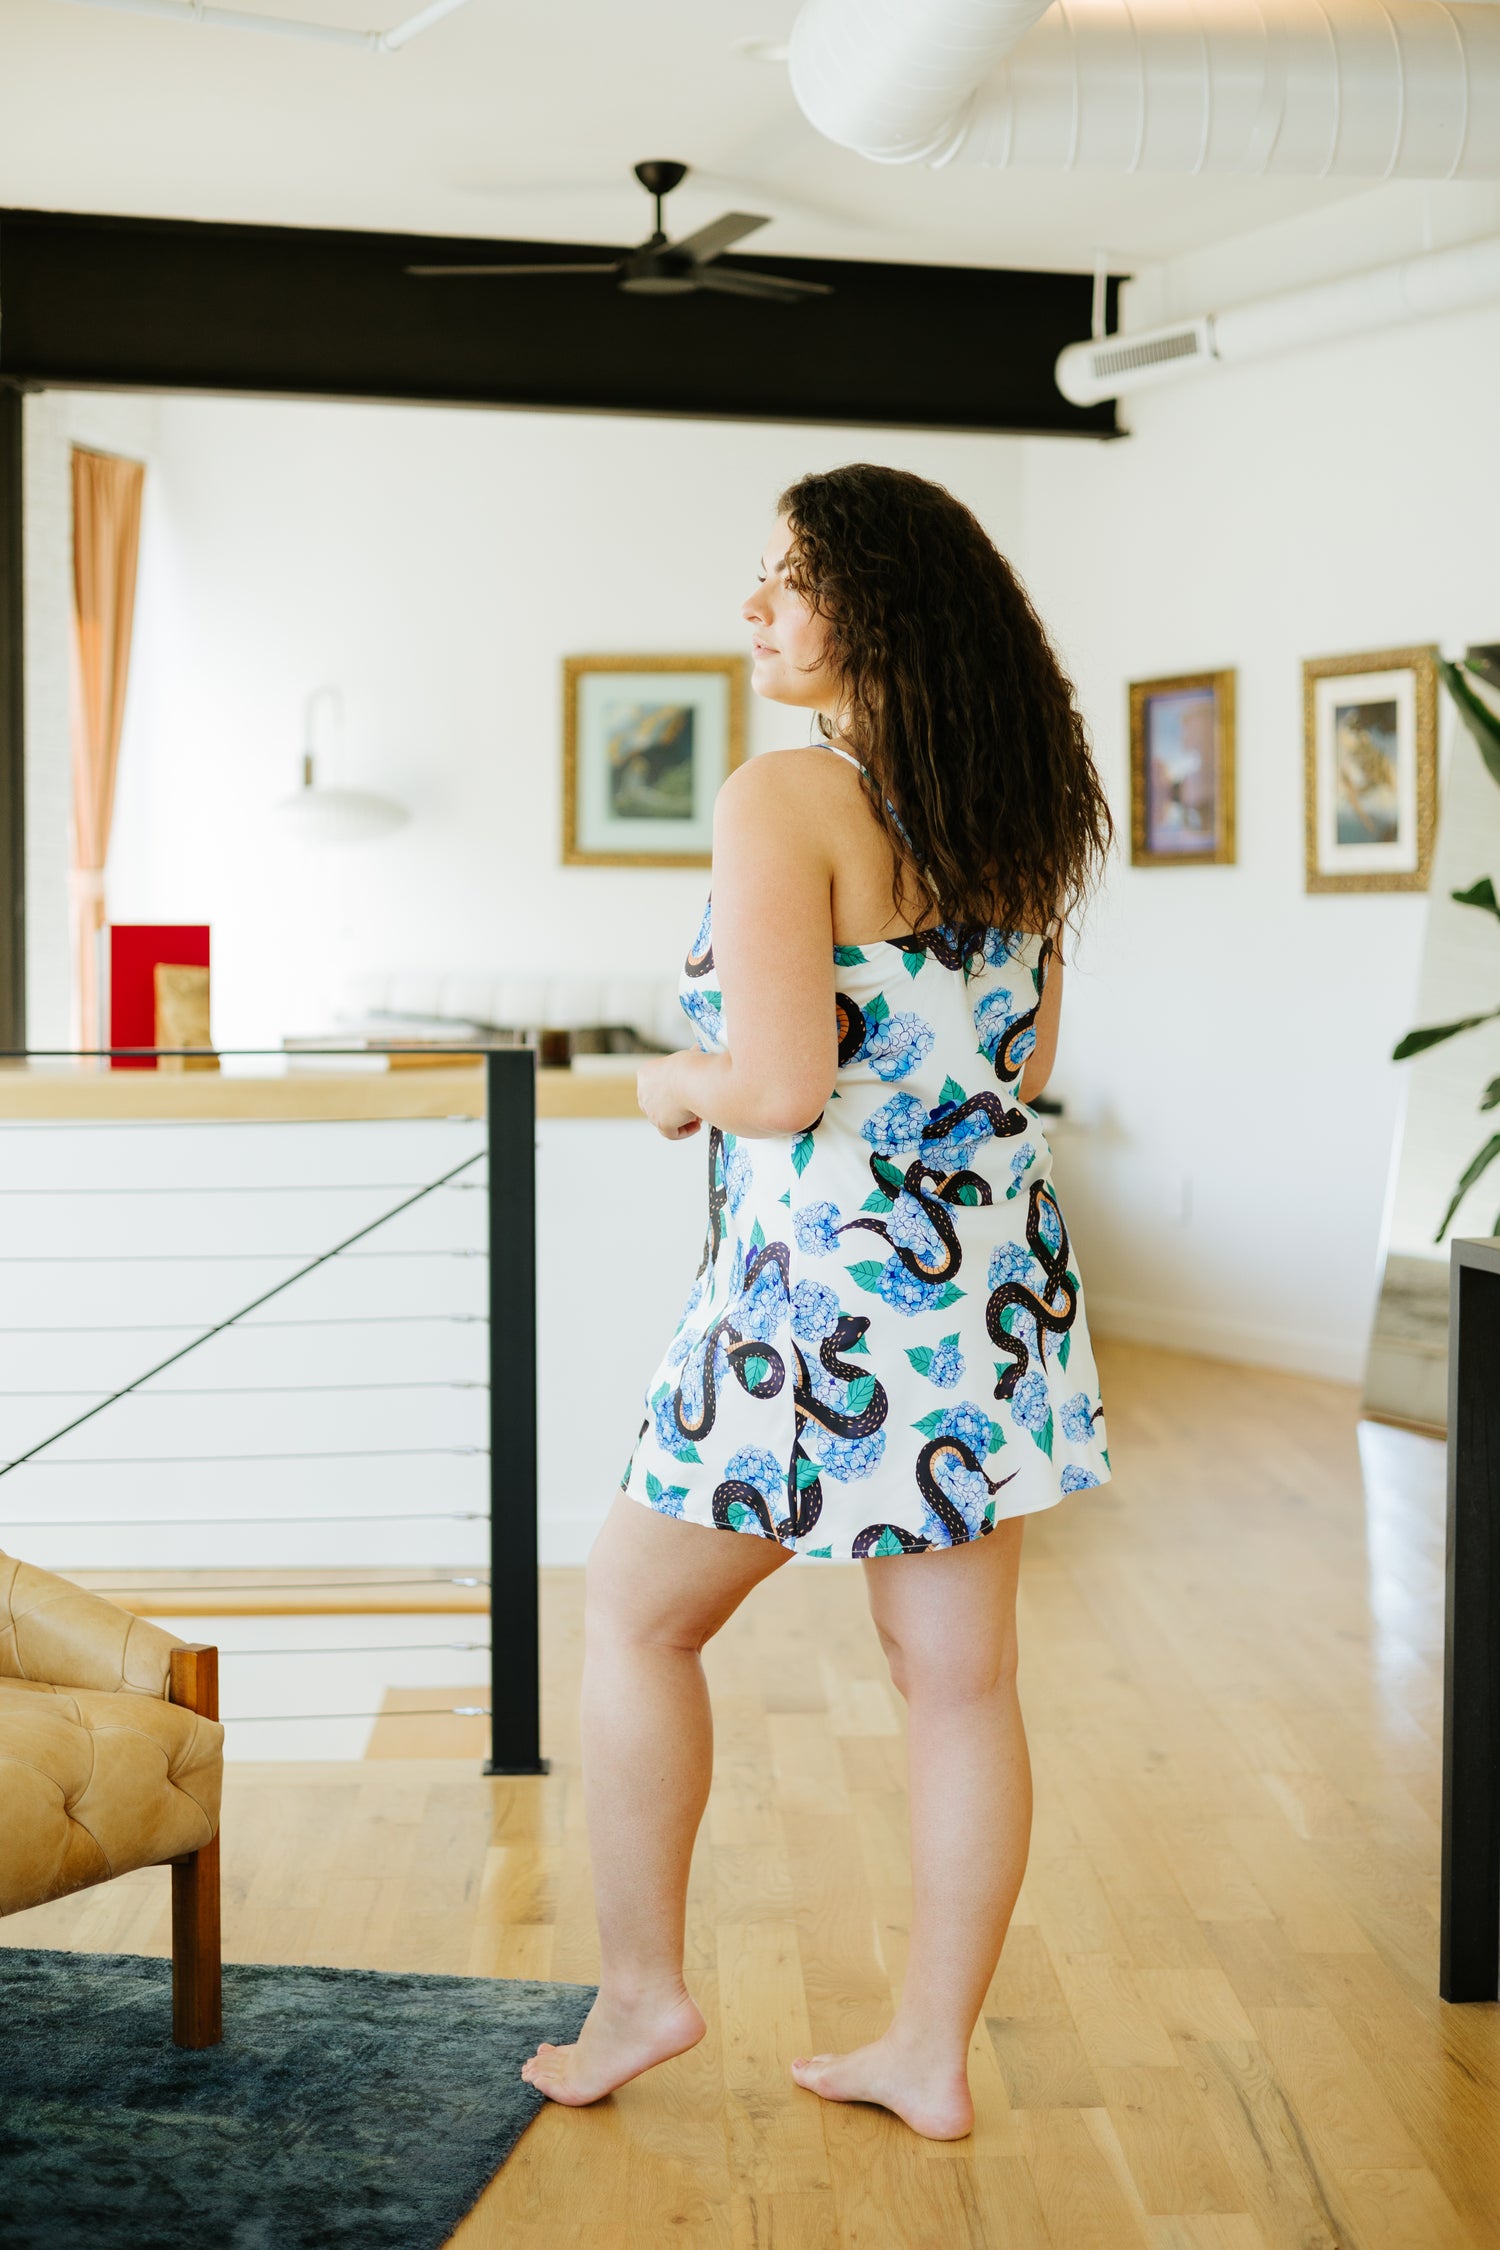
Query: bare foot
{"type": "Point", "coordinates": [932, 2101]}
{"type": "Point", "coordinates": [618, 2041]}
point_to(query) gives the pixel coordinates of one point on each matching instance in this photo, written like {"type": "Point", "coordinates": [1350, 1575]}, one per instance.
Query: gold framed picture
{"type": "Point", "coordinates": [1182, 770]}
{"type": "Point", "coordinates": [1369, 734]}
{"type": "Point", "coordinates": [647, 743]}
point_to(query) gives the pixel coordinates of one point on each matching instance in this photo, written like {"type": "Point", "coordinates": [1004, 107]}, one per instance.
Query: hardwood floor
{"type": "Point", "coordinates": [1215, 2024]}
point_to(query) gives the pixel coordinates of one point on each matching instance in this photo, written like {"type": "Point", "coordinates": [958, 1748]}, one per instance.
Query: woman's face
{"type": "Point", "coordinates": [789, 645]}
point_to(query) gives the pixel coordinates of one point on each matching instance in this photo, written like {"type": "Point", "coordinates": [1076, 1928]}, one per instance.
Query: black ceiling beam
{"type": "Point", "coordinates": [166, 304]}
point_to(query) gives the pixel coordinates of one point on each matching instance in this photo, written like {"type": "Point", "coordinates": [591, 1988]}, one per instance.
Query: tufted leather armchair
{"type": "Point", "coordinates": [111, 1758]}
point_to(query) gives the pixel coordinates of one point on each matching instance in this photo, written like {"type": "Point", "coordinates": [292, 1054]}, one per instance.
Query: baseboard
{"type": "Point", "coordinates": [1294, 1351]}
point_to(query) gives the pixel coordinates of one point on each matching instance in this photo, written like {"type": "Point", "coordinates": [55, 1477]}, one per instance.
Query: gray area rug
{"type": "Point", "coordinates": [345, 2107]}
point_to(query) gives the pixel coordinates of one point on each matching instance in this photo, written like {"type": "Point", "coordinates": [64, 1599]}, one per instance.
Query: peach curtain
{"type": "Point", "coordinates": [106, 541]}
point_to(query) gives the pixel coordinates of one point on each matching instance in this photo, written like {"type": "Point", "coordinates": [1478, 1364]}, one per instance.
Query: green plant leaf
{"type": "Point", "coordinates": [1063, 1350]}
{"type": "Point", "coordinates": [653, 1487]}
{"type": "Point", "coordinates": [786, 1198]}
{"type": "Point", "coordinates": [914, 963]}
{"type": "Point", "coordinates": [802, 1149]}
{"type": "Point", "coordinates": [930, 1423]}
{"type": "Point", "coordinates": [920, 1356]}
{"type": "Point", "coordinates": [878, 1009]}
{"type": "Point", "coordinates": [952, 1091]}
{"type": "Point", "coordinates": [1417, 1042]}
{"type": "Point", "coordinates": [948, 1295]}
{"type": "Point", "coordinates": [997, 1439]}
{"type": "Point", "coordinates": [1481, 893]}
{"type": "Point", "coordinates": [875, 1201]}
{"type": "Point", "coordinates": [858, 1345]}
{"type": "Point", "coordinates": [867, 1273]}
{"type": "Point", "coordinates": [1476, 715]}
{"type": "Point", "coordinates": [688, 1453]}
{"type": "Point", "coordinates": [848, 956]}
{"type": "Point", "coordinates": [820, 1554]}
{"type": "Point", "coordinates": [1481, 1164]}
{"type": "Point", "coordinates": [1043, 1437]}
{"type": "Point", "coordinates": [756, 1370]}
{"type": "Point", "coordinates": [892, 1174]}
{"type": "Point", "coordinates": [886, 1544]}
{"type": "Point", "coordinates": [989, 1515]}
{"type": "Point", "coordinates": [807, 1473]}
{"type": "Point", "coordinates": [861, 1391]}
{"type": "Point", "coordinates": [965, 1195]}
{"type": "Point", "coordinates": [757, 1238]}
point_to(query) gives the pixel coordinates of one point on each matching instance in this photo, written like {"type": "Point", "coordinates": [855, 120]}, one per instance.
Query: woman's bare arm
{"type": "Point", "coordinates": [773, 961]}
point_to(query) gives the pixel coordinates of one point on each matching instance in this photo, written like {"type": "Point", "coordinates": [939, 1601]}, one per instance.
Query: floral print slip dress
{"type": "Point", "coordinates": [885, 1348]}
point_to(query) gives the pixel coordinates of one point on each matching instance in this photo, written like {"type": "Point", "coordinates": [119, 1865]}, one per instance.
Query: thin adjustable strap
{"type": "Point", "coordinates": [898, 823]}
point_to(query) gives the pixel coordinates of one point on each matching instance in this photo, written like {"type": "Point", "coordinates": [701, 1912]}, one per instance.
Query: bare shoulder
{"type": "Point", "coordinates": [788, 785]}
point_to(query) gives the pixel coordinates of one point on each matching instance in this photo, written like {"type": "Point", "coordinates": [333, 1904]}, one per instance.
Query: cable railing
{"type": "Point", "coordinates": [251, 1359]}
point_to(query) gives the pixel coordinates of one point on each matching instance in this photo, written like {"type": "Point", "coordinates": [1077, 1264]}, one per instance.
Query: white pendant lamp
{"type": "Point", "coordinates": [320, 815]}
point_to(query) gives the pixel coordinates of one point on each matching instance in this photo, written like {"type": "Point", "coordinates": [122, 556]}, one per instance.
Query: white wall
{"type": "Point", "coordinates": [1230, 1032]}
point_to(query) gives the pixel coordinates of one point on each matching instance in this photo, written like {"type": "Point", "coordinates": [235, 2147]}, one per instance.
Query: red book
{"type": "Point", "coordinates": [134, 950]}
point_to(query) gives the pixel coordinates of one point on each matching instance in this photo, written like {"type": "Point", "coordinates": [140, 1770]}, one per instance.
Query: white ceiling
{"type": "Point", "coordinates": [513, 118]}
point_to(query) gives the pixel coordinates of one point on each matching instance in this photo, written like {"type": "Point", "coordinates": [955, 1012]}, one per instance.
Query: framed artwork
{"type": "Point", "coordinates": [647, 741]}
{"type": "Point", "coordinates": [1369, 727]}
{"type": "Point", "coordinates": [1182, 771]}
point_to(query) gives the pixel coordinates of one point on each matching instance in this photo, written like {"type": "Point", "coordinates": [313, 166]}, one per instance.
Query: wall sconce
{"type": "Point", "coordinates": [334, 816]}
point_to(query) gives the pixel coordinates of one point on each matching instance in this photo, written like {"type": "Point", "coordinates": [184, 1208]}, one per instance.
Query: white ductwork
{"type": "Point", "coordinates": [1441, 281]}
{"type": "Point", "coordinates": [1365, 89]}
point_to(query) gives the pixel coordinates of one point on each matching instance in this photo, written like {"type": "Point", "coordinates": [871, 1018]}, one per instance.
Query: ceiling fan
{"type": "Point", "coordinates": [659, 268]}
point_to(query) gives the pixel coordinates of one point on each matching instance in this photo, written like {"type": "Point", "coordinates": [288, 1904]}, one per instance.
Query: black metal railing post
{"type": "Point", "coordinates": [515, 1648]}
{"type": "Point", "coordinates": [1470, 1942]}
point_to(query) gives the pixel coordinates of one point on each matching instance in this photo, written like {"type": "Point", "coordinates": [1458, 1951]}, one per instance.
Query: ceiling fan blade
{"type": "Point", "coordinates": [718, 235]}
{"type": "Point", "coordinates": [448, 273]}
{"type": "Point", "coordinates": [769, 287]}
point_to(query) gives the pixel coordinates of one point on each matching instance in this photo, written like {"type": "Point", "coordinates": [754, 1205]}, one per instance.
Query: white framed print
{"type": "Point", "coordinates": [1370, 758]}
{"type": "Point", "coordinates": [647, 743]}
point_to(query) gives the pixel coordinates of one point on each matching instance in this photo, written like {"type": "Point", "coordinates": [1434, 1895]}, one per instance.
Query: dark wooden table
{"type": "Point", "coordinates": [1470, 1954]}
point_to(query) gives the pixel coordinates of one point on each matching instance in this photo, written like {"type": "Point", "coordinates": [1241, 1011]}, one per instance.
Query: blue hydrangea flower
{"type": "Point", "coordinates": [1051, 1227]}
{"type": "Point", "coordinates": [814, 1311]}
{"type": "Point", "coordinates": [946, 1366]}
{"type": "Point", "coordinates": [957, 1145]}
{"type": "Point", "coordinates": [970, 1425]}
{"type": "Point", "coordinates": [993, 1016]}
{"type": "Point", "coordinates": [816, 1227]}
{"type": "Point", "coordinates": [848, 1459]}
{"type": "Point", "coordinates": [706, 1017]}
{"type": "Point", "coordinates": [896, 1125]}
{"type": "Point", "coordinates": [1077, 1480]}
{"type": "Point", "coordinates": [899, 1045]}
{"type": "Point", "coordinates": [738, 1172]}
{"type": "Point", "coordinates": [999, 945]}
{"type": "Point", "coordinates": [909, 1227]}
{"type": "Point", "coordinates": [1029, 1402]}
{"type": "Point", "coordinates": [1021, 1162]}
{"type": "Point", "coordinates": [699, 945]}
{"type": "Point", "coordinates": [1076, 1417]}
{"type": "Point", "coordinates": [965, 1487]}
{"type": "Point", "coordinates": [668, 1436]}
{"type": "Point", "coordinates": [761, 1310]}
{"type": "Point", "coordinates": [1012, 1261]}
{"type": "Point", "coordinates": [903, 1291]}
{"type": "Point", "coordinates": [754, 1465]}
{"type": "Point", "coordinates": [1025, 1045]}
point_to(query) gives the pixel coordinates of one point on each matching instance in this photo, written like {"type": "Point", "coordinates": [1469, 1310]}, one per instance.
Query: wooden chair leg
{"type": "Point", "coordinates": [197, 1982]}
{"type": "Point", "coordinates": [197, 1958]}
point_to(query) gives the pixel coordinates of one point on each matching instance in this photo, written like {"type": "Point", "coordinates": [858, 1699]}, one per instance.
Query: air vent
{"type": "Point", "coordinates": [1087, 373]}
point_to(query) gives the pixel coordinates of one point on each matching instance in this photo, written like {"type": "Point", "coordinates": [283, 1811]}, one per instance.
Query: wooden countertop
{"type": "Point", "coordinates": [28, 1092]}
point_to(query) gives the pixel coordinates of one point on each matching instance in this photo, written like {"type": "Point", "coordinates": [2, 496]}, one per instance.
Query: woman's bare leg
{"type": "Point", "coordinates": [657, 1591]}
{"type": "Point", "coordinates": [947, 1621]}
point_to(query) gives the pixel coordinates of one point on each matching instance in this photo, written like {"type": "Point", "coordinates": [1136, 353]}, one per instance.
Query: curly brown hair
{"type": "Point", "coordinates": [977, 761]}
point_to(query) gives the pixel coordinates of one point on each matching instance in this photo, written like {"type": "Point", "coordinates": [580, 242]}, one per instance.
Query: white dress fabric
{"type": "Point", "coordinates": [885, 1349]}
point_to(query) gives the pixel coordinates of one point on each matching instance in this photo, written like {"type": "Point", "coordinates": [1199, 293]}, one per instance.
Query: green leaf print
{"type": "Point", "coordinates": [1104, 1455]}
{"type": "Point", "coordinates": [740, 1517]}
{"type": "Point", "coordinates": [820, 1554]}
{"type": "Point", "coordinates": [757, 1239]}
{"type": "Point", "coordinates": [952, 1091]}
{"type": "Point", "coordinates": [948, 1295]}
{"type": "Point", "coordinates": [714, 999]}
{"type": "Point", "coordinates": [786, 1199]}
{"type": "Point", "coordinates": [989, 1515]}
{"type": "Point", "coordinates": [802, 1148]}
{"type": "Point", "coordinates": [997, 1439]}
{"type": "Point", "coordinates": [1063, 1349]}
{"type": "Point", "coordinates": [966, 1195]}
{"type": "Point", "coordinates": [807, 1473]}
{"type": "Point", "coordinates": [848, 956]}
{"type": "Point", "coordinates": [878, 1009]}
{"type": "Point", "coordinates": [920, 1356]}
{"type": "Point", "coordinates": [913, 963]}
{"type": "Point", "coordinates": [891, 1174]}
{"type": "Point", "coordinates": [687, 1453]}
{"type": "Point", "coordinates": [1043, 1437]}
{"type": "Point", "coordinates": [861, 1391]}
{"type": "Point", "coordinates": [930, 1423]}
{"type": "Point", "coordinates": [653, 1488]}
{"type": "Point", "coordinates": [868, 1272]}
{"type": "Point", "coordinates": [859, 1345]}
{"type": "Point", "coordinates": [1073, 1281]}
{"type": "Point", "coordinates": [756, 1371]}
{"type": "Point", "coordinates": [875, 1201]}
{"type": "Point", "coordinates": [886, 1544]}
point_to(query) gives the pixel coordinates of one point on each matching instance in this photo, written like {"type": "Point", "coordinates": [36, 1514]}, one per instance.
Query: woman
{"type": "Point", "coordinates": [884, 1356]}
